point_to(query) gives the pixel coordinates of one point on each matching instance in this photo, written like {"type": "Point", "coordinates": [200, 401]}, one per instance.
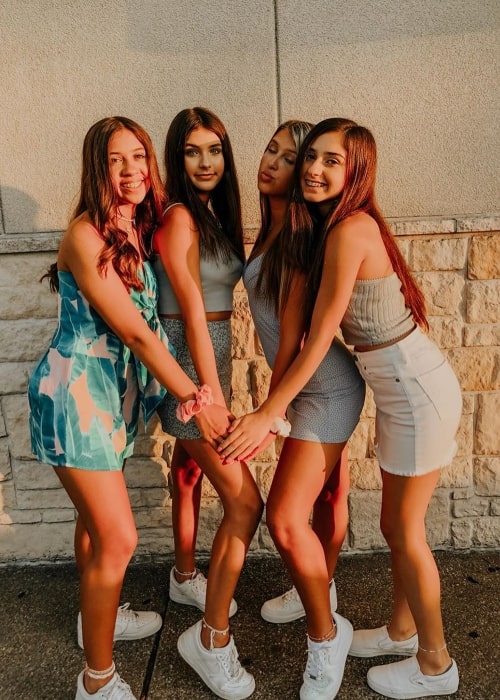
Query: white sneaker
{"type": "Point", "coordinates": [288, 607]}
{"type": "Point", "coordinates": [193, 591]}
{"type": "Point", "coordinates": [129, 624]}
{"type": "Point", "coordinates": [376, 642]}
{"type": "Point", "coordinates": [219, 668]}
{"type": "Point", "coordinates": [405, 680]}
{"type": "Point", "coordinates": [115, 689]}
{"type": "Point", "coordinates": [325, 664]}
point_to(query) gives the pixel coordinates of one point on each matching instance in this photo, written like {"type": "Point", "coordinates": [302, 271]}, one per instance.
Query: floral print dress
{"type": "Point", "coordinates": [86, 392]}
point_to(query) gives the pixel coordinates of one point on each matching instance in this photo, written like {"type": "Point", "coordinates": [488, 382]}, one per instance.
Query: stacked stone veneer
{"type": "Point", "coordinates": [457, 262]}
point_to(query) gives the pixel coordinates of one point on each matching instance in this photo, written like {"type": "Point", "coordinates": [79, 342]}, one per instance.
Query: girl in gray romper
{"type": "Point", "coordinates": [330, 510]}
{"type": "Point", "coordinates": [200, 254]}
{"type": "Point", "coordinates": [322, 417]}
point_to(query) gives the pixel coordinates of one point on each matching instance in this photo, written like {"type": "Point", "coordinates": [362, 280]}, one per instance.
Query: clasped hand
{"type": "Point", "coordinates": [213, 421]}
{"type": "Point", "coordinates": [246, 436]}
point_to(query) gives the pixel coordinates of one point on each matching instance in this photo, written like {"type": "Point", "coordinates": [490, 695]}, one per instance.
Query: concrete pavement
{"type": "Point", "coordinates": [40, 659]}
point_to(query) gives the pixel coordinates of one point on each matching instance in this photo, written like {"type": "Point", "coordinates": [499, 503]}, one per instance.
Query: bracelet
{"type": "Point", "coordinates": [99, 675]}
{"type": "Point", "coordinates": [187, 409]}
{"type": "Point", "coordinates": [432, 651]}
{"type": "Point", "coordinates": [326, 637]}
{"type": "Point", "coordinates": [280, 426]}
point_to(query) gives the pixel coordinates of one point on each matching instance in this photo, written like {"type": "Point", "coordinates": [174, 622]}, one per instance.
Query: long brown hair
{"type": "Point", "coordinates": [306, 235]}
{"type": "Point", "coordinates": [271, 267]}
{"type": "Point", "coordinates": [98, 198]}
{"type": "Point", "coordinates": [224, 214]}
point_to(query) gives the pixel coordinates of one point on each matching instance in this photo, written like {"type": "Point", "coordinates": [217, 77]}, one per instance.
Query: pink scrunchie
{"type": "Point", "coordinates": [187, 409]}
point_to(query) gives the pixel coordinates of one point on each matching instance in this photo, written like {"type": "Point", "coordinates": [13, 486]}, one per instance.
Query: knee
{"type": "Point", "coordinates": [391, 528]}
{"type": "Point", "coordinates": [253, 508]}
{"type": "Point", "coordinates": [186, 476]}
{"type": "Point", "coordinates": [332, 497]}
{"type": "Point", "coordinates": [281, 528]}
{"type": "Point", "coordinates": [247, 510]}
{"type": "Point", "coordinates": [119, 547]}
{"type": "Point", "coordinates": [402, 536]}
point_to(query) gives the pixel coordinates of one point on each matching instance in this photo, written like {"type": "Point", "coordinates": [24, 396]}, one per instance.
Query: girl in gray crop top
{"type": "Point", "coordinates": [199, 258]}
{"type": "Point", "coordinates": [357, 278]}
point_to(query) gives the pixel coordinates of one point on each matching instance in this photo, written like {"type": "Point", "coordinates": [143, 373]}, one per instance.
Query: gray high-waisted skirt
{"type": "Point", "coordinates": [328, 408]}
{"type": "Point", "coordinates": [220, 333]}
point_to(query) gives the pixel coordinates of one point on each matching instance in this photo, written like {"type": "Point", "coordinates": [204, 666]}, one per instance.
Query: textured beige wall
{"type": "Point", "coordinates": [421, 73]}
{"type": "Point", "coordinates": [65, 63]}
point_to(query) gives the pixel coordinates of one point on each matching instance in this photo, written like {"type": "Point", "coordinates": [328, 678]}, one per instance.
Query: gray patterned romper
{"type": "Point", "coordinates": [328, 408]}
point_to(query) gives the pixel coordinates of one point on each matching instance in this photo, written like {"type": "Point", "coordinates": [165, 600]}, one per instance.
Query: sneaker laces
{"type": "Point", "coordinates": [291, 596]}
{"type": "Point", "coordinates": [229, 662]}
{"type": "Point", "coordinates": [118, 691]}
{"type": "Point", "coordinates": [317, 659]}
{"type": "Point", "coordinates": [125, 612]}
{"type": "Point", "coordinates": [198, 586]}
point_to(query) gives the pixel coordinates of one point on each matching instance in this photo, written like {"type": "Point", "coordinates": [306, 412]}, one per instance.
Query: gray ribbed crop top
{"type": "Point", "coordinates": [376, 312]}
{"type": "Point", "coordinates": [218, 280]}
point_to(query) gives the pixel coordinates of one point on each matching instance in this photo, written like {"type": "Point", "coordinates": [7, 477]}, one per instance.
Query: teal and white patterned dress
{"type": "Point", "coordinates": [86, 392]}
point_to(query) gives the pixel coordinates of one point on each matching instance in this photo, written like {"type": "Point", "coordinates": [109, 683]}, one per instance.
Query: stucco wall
{"type": "Point", "coordinates": [421, 73]}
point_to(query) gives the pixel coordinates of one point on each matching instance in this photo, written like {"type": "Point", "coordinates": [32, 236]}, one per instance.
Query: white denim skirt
{"type": "Point", "coordinates": [418, 403]}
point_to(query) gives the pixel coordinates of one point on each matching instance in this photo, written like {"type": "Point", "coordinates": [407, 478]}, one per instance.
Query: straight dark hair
{"type": "Point", "coordinates": [98, 198]}
{"type": "Point", "coordinates": [224, 213]}
{"type": "Point", "coordinates": [305, 232]}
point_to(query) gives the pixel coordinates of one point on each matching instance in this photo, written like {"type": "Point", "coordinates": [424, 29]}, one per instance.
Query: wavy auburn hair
{"type": "Point", "coordinates": [98, 198]}
{"type": "Point", "coordinates": [305, 233]}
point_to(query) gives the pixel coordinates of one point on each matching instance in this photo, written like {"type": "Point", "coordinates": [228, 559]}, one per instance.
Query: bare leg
{"type": "Point", "coordinates": [107, 530]}
{"type": "Point", "coordinates": [302, 472]}
{"type": "Point", "coordinates": [82, 544]}
{"type": "Point", "coordinates": [243, 507]}
{"type": "Point", "coordinates": [402, 624]}
{"type": "Point", "coordinates": [404, 504]}
{"type": "Point", "coordinates": [331, 513]}
{"type": "Point", "coordinates": [186, 497]}
{"type": "Point", "coordinates": [83, 550]}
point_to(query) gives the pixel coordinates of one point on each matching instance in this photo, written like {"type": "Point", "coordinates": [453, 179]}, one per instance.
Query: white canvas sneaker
{"type": "Point", "coordinates": [219, 668]}
{"type": "Point", "coordinates": [376, 642]}
{"type": "Point", "coordinates": [326, 663]}
{"type": "Point", "coordinates": [288, 607]}
{"type": "Point", "coordinates": [404, 680]}
{"type": "Point", "coordinates": [193, 591]}
{"type": "Point", "coordinates": [115, 689]}
{"type": "Point", "coordinates": [129, 624]}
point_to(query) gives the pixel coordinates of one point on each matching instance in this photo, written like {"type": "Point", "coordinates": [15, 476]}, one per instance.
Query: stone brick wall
{"type": "Point", "coordinates": [457, 262]}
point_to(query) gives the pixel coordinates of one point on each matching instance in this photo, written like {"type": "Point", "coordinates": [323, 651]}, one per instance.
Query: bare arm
{"type": "Point", "coordinates": [177, 242]}
{"type": "Point", "coordinates": [344, 255]}
{"type": "Point", "coordinates": [291, 331]}
{"type": "Point", "coordinates": [108, 296]}
{"type": "Point", "coordinates": [254, 428]}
